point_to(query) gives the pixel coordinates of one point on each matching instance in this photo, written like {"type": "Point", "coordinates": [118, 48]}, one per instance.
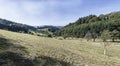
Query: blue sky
{"type": "Point", "coordinates": [54, 12]}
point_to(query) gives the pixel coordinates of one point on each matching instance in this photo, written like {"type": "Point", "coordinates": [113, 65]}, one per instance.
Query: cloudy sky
{"type": "Point", "coordinates": [54, 12]}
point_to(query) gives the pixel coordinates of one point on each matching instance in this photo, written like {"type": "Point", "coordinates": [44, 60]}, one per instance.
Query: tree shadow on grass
{"type": "Point", "coordinates": [48, 61]}
{"type": "Point", "coordinates": [13, 55]}
{"type": "Point", "coordinates": [4, 43]}
{"type": "Point", "coordinates": [9, 45]}
{"type": "Point", "coordinates": [14, 59]}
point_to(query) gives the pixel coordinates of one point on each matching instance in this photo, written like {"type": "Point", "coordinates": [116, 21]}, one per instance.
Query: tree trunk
{"type": "Point", "coordinates": [113, 40]}
{"type": "Point", "coordinates": [105, 50]}
{"type": "Point", "coordinates": [94, 40]}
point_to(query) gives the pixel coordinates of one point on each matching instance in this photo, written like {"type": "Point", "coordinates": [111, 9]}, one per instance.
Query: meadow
{"type": "Point", "coordinates": [29, 50]}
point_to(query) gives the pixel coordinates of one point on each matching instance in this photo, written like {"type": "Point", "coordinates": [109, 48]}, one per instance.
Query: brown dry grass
{"type": "Point", "coordinates": [77, 52]}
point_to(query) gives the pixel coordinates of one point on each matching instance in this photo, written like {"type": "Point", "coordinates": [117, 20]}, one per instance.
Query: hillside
{"type": "Point", "coordinates": [16, 27]}
{"type": "Point", "coordinates": [49, 30]}
{"type": "Point", "coordinates": [17, 49]}
{"type": "Point", "coordinates": [23, 28]}
{"type": "Point", "coordinates": [91, 24]}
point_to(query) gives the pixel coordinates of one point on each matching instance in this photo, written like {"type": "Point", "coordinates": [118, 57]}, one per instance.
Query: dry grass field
{"type": "Point", "coordinates": [43, 51]}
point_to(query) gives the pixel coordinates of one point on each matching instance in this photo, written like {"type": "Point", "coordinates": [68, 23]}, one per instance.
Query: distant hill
{"type": "Point", "coordinates": [59, 27]}
{"type": "Point", "coordinates": [23, 28]}
{"type": "Point", "coordinates": [50, 28]}
{"type": "Point", "coordinates": [16, 27]}
{"type": "Point", "coordinates": [93, 24]}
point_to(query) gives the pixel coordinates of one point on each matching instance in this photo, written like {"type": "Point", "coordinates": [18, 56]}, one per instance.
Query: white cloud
{"type": "Point", "coordinates": [44, 12]}
{"type": "Point", "coordinates": [53, 12]}
{"type": "Point", "coordinates": [23, 12]}
{"type": "Point", "coordinates": [37, 12]}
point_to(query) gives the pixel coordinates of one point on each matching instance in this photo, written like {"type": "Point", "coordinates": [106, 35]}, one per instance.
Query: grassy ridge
{"type": "Point", "coordinates": [62, 52]}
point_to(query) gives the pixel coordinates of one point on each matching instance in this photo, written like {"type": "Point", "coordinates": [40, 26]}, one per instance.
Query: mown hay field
{"type": "Point", "coordinates": [76, 52]}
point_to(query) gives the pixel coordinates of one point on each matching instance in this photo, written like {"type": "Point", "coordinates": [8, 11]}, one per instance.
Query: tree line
{"type": "Point", "coordinates": [92, 26]}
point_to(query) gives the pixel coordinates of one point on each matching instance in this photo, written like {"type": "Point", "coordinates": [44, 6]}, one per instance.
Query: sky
{"type": "Point", "coordinates": [54, 12]}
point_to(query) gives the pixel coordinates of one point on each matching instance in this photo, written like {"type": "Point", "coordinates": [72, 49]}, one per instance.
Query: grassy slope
{"type": "Point", "coordinates": [76, 52]}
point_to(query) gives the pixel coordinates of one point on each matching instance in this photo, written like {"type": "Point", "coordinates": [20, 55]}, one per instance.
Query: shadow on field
{"type": "Point", "coordinates": [47, 61]}
{"type": "Point", "coordinates": [14, 55]}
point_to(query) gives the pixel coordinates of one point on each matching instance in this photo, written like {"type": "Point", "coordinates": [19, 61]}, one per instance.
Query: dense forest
{"type": "Point", "coordinates": [92, 25]}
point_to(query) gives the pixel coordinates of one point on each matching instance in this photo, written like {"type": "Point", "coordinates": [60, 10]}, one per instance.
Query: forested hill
{"type": "Point", "coordinates": [23, 28]}
{"type": "Point", "coordinates": [49, 28]}
{"type": "Point", "coordinates": [91, 24]}
{"type": "Point", "coordinates": [16, 27]}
